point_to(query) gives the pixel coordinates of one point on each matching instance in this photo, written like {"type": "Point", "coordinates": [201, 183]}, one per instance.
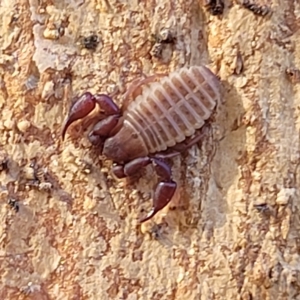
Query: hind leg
{"type": "Point", "coordinates": [181, 147]}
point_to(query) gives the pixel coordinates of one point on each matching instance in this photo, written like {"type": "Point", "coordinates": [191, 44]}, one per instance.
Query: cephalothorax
{"type": "Point", "coordinates": [162, 119]}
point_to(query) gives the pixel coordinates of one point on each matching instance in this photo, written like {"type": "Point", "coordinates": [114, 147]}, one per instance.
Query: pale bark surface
{"type": "Point", "coordinates": [235, 231]}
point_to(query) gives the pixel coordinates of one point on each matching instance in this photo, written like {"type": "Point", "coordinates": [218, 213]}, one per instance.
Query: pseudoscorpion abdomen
{"type": "Point", "coordinates": [172, 109]}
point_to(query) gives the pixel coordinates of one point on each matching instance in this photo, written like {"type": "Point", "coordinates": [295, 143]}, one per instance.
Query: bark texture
{"type": "Point", "coordinates": [233, 232]}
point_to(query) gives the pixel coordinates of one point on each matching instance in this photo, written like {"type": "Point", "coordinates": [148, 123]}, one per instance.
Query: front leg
{"type": "Point", "coordinates": [164, 190]}
{"type": "Point", "coordinates": [135, 88]}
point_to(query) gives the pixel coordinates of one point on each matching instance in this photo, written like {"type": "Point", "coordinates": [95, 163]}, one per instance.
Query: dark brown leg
{"type": "Point", "coordinates": [164, 190]}
{"type": "Point", "coordinates": [189, 142]}
{"type": "Point", "coordinates": [85, 104]}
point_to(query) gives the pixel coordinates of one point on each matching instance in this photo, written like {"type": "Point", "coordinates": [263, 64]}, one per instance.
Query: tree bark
{"type": "Point", "coordinates": [70, 230]}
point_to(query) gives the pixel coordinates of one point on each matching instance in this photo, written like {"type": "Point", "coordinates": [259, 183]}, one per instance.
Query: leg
{"type": "Point", "coordinates": [134, 88]}
{"type": "Point", "coordinates": [189, 142]}
{"type": "Point", "coordinates": [165, 188]}
{"type": "Point", "coordinates": [85, 104]}
{"type": "Point", "coordinates": [181, 147]}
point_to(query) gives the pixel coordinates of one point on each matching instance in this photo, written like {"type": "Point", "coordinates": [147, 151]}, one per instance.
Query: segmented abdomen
{"type": "Point", "coordinates": [169, 111]}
